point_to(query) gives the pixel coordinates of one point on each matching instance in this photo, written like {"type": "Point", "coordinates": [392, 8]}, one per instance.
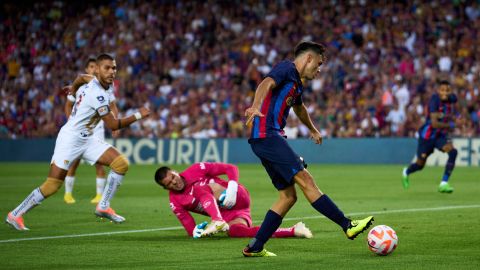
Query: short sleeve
{"type": "Point", "coordinates": [298, 100]}
{"type": "Point", "coordinates": [188, 222]}
{"type": "Point", "coordinates": [434, 104]}
{"type": "Point", "coordinates": [99, 102]}
{"type": "Point", "coordinates": [452, 98]}
{"type": "Point", "coordinates": [281, 72]}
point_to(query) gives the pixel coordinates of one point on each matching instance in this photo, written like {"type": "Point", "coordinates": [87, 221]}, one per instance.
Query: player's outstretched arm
{"type": "Point", "coordinates": [114, 109]}
{"type": "Point", "coordinates": [262, 91]}
{"type": "Point", "coordinates": [184, 217]}
{"type": "Point", "coordinates": [115, 124]}
{"type": "Point", "coordinates": [302, 113]}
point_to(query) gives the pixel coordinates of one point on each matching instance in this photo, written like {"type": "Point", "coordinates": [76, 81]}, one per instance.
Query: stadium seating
{"type": "Point", "coordinates": [198, 70]}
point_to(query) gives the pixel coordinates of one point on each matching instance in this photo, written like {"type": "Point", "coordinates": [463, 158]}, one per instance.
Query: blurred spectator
{"type": "Point", "coordinates": [369, 125]}
{"type": "Point", "coordinates": [198, 71]}
{"type": "Point", "coordinates": [396, 117]}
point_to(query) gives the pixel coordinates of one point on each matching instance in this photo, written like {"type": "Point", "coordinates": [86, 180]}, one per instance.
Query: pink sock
{"type": "Point", "coordinates": [205, 196]}
{"type": "Point", "coordinates": [241, 230]}
{"type": "Point", "coordinates": [284, 232]}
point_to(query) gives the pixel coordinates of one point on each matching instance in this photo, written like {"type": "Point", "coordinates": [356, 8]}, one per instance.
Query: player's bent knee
{"type": "Point", "coordinates": [421, 163]}
{"type": "Point", "coordinates": [289, 200]}
{"type": "Point", "coordinates": [293, 200]}
{"type": "Point", "coordinates": [50, 186]}
{"type": "Point", "coordinates": [120, 164]}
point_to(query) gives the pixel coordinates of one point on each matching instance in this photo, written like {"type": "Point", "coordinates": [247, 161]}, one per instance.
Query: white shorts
{"type": "Point", "coordinates": [69, 148]}
{"type": "Point", "coordinates": [99, 131]}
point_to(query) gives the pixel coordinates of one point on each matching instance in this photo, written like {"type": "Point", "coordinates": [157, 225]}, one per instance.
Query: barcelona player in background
{"type": "Point", "coordinates": [281, 90]}
{"type": "Point", "coordinates": [434, 134]}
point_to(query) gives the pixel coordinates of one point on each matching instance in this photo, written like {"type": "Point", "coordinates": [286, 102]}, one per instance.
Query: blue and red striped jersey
{"type": "Point", "coordinates": [276, 105]}
{"type": "Point", "coordinates": [447, 111]}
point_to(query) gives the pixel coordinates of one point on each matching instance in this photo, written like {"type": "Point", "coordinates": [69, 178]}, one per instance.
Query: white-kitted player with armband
{"type": "Point", "coordinates": [98, 131]}
{"type": "Point", "coordinates": [75, 140]}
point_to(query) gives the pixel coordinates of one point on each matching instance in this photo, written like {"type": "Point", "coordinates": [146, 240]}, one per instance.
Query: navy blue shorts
{"type": "Point", "coordinates": [279, 160]}
{"type": "Point", "coordinates": [426, 147]}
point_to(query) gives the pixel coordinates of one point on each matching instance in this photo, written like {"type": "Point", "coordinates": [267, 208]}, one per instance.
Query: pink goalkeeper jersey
{"type": "Point", "coordinates": [199, 174]}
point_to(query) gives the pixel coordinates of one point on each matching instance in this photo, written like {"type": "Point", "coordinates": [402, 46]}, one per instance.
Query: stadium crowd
{"type": "Point", "coordinates": [196, 64]}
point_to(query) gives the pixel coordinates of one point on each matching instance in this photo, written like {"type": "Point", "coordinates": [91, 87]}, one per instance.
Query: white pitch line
{"type": "Point", "coordinates": [398, 211]}
{"type": "Point", "coordinates": [90, 234]}
{"type": "Point", "coordinates": [288, 219]}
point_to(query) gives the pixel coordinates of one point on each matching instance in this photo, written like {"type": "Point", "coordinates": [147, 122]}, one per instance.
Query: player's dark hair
{"type": "Point", "coordinates": [104, 56]}
{"type": "Point", "coordinates": [444, 82]}
{"type": "Point", "coordinates": [90, 60]}
{"type": "Point", "coordinates": [308, 46]}
{"type": "Point", "coordinates": [160, 174]}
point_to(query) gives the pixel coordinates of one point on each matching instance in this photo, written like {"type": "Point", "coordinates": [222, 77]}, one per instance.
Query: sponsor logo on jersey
{"type": "Point", "coordinates": [289, 101]}
{"type": "Point", "coordinates": [207, 204]}
{"type": "Point", "coordinates": [101, 99]}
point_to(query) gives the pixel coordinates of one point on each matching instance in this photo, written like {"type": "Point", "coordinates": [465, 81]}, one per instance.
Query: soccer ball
{"type": "Point", "coordinates": [382, 240]}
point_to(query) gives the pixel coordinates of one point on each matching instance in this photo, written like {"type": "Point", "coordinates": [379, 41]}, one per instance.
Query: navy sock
{"type": "Point", "coordinates": [452, 156]}
{"type": "Point", "coordinates": [328, 208]}
{"type": "Point", "coordinates": [413, 168]}
{"type": "Point", "coordinates": [270, 224]}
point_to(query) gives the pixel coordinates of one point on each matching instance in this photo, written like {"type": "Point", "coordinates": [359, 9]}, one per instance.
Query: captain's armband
{"type": "Point", "coordinates": [103, 110]}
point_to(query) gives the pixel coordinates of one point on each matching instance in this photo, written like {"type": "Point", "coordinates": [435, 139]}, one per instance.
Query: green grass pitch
{"type": "Point", "coordinates": [436, 231]}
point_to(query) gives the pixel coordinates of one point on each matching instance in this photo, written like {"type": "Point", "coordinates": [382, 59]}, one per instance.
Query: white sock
{"type": "Point", "coordinates": [69, 181]}
{"type": "Point", "coordinates": [113, 181]}
{"type": "Point", "coordinates": [100, 185]}
{"type": "Point", "coordinates": [443, 183]}
{"type": "Point", "coordinates": [32, 200]}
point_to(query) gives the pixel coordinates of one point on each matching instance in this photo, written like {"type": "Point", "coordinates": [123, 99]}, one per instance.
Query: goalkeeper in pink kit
{"type": "Point", "coordinates": [199, 189]}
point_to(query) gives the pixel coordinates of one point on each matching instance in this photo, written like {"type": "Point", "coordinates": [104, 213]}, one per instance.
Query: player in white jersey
{"type": "Point", "coordinates": [75, 140]}
{"type": "Point", "coordinates": [99, 132]}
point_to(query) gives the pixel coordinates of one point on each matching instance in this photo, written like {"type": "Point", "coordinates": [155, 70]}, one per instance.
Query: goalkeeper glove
{"type": "Point", "coordinates": [198, 230]}
{"type": "Point", "coordinates": [230, 194]}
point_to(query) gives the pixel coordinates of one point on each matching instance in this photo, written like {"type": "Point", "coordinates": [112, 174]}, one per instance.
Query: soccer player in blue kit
{"type": "Point", "coordinates": [434, 134]}
{"type": "Point", "coordinates": [275, 95]}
